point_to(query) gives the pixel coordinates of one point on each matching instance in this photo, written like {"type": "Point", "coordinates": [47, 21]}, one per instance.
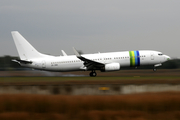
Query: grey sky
{"type": "Point", "coordinates": [91, 25]}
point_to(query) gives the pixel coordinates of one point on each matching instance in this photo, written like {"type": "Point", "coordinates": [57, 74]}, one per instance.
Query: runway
{"type": "Point", "coordinates": [113, 83]}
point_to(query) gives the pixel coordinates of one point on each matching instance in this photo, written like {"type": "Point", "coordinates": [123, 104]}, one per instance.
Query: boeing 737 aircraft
{"type": "Point", "coordinates": [112, 61]}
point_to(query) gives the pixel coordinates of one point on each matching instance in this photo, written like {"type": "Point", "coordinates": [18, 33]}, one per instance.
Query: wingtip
{"type": "Point", "coordinates": [76, 52]}
{"type": "Point", "coordinates": [13, 32]}
{"type": "Point", "coordinates": [64, 54]}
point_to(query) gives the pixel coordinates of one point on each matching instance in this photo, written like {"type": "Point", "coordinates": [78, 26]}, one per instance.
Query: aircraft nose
{"type": "Point", "coordinates": [167, 57]}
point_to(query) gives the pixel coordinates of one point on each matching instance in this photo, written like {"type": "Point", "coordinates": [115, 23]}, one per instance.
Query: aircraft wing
{"type": "Point", "coordinates": [89, 64]}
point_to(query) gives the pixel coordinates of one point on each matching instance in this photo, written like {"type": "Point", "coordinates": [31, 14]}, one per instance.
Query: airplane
{"type": "Point", "coordinates": [105, 62]}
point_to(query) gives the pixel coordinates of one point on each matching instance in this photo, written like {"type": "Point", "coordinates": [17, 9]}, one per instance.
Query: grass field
{"type": "Point", "coordinates": [152, 106]}
{"type": "Point", "coordinates": [149, 106]}
{"type": "Point", "coordinates": [89, 80]}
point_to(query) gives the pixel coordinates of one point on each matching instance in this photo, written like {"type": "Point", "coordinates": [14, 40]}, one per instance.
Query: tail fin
{"type": "Point", "coordinates": [25, 49]}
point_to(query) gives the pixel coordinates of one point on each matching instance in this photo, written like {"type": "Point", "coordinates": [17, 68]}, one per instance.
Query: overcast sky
{"type": "Point", "coordinates": [91, 25]}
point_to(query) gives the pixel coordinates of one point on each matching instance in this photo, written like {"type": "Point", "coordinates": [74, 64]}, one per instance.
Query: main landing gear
{"type": "Point", "coordinates": [93, 73]}
{"type": "Point", "coordinates": [154, 69]}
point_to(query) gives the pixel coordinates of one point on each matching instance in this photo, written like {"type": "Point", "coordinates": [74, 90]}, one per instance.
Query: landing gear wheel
{"type": "Point", "coordinates": [93, 74]}
{"type": "Point", "coordinates": [154, 69]}
{"type": "Point", "coordinates": [90, 74]}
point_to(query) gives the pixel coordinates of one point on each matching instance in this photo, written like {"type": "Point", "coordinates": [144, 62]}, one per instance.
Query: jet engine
{"type": "Point", "coordinates": [111, 67]}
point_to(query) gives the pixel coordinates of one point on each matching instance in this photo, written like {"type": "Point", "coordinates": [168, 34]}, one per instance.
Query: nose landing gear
{"type": "Point", "coordinates": [93, 73]}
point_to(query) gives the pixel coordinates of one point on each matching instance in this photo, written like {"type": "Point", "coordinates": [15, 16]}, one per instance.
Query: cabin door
{"type": "Point", "coordinates": [43, 64]}
{"type": "Point", "coordinates": [152, 56]}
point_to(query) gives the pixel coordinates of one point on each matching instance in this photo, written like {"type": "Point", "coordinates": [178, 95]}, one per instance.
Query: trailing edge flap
{"type": "Point", "coordinates": [89, 64]}
{"type": "Point", "coordinates": [22, 61]}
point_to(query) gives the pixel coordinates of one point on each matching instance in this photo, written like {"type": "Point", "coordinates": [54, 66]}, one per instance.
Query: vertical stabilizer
{"type": "Point", "coordinates": [25, 49]}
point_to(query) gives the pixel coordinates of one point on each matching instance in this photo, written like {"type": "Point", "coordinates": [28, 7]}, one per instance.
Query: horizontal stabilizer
{"type": "Point", "coordinates": [22, 61]}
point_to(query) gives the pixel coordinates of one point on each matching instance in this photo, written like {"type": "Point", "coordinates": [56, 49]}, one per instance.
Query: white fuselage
{"type": "Point", "coordinates": [112, 61]}
{"type": "Point", "coordinates": [72, 63]}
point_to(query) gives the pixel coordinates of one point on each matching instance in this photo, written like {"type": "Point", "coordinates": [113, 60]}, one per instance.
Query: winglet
{"type": "Point", "coordinates": [64, 54]}
{"type": "Point", "coordinates": [76, 52]}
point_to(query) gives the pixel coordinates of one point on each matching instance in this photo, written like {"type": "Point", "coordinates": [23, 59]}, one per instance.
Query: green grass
{"type": "Point", "coordinates": [84, 79]}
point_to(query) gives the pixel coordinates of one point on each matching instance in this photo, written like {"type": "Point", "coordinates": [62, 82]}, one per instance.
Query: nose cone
{"type": "Point", "coordinates": [166, 58]}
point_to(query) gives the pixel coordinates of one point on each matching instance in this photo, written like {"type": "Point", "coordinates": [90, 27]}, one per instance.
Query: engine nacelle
{"type": "Point", "coordinates": [112, 67]}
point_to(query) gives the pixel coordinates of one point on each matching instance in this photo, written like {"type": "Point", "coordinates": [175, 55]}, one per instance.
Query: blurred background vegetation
{"type": "Point", "coordinates": [6, 64]}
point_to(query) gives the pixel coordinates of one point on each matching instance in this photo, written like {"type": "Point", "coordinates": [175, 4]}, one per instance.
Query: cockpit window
{"type": "Point", "coordinates": [160, 54]}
